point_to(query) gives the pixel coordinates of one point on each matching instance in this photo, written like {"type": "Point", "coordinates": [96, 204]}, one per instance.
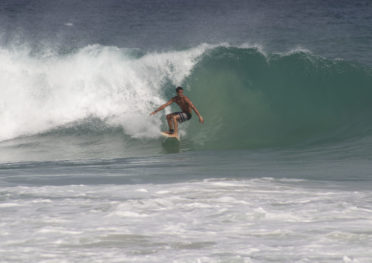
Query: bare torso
{"type": "Point", "coordinates": [186, 106]}
{"type": "Point", "coordinates": [184, 103]}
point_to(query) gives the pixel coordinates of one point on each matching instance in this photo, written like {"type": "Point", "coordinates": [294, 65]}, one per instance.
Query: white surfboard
{"type": "Point", "coordinates": [170, 136]}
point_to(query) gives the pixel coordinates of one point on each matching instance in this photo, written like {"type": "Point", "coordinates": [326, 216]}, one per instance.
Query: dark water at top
{"type": "Point", "coordinates": [329, 28]}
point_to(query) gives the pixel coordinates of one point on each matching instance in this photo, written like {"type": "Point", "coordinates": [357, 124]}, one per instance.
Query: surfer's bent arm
{"type": "Point", "coordinates": [195, 110]}
{"type": "Point", "coordinates": [163, 106]}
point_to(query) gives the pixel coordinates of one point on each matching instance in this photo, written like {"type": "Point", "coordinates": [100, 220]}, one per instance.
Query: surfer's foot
{"type": "Point", "coordinates": [171, 131]}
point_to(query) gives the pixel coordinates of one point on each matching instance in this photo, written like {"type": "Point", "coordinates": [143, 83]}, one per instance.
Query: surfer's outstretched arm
{"type": "Point", "coordinates": [201, 119]}
{"type": "Point", "coordinates": [163, 106]}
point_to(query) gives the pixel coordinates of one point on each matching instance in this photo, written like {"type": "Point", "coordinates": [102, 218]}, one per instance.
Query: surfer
{"type": "Point", "coordinates": [186, 106]}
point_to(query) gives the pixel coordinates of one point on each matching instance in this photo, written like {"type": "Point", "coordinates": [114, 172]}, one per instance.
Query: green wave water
{"type": "Point", "coordinates": [250, 99]}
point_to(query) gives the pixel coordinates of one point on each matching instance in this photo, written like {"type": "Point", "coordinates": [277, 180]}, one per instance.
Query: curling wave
{"type": "Point", "coordinates": [248, 98]}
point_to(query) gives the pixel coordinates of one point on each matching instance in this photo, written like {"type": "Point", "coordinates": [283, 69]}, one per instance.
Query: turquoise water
{"type": "Point", "coordinates": [279, 171]}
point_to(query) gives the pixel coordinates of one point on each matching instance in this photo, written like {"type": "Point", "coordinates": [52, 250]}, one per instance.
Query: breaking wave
{"type": "Point", "coordinates": [248, 98]}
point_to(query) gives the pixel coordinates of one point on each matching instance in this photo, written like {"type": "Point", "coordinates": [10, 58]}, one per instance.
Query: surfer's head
{"type": "Point", "coordinates": [179, 90]}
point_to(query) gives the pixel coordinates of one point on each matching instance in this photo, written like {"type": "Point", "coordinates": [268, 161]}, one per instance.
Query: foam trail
{"type": "Point", "coordinates": [109, 83]}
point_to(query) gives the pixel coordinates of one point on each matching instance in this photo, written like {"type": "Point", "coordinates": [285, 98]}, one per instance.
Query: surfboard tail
{"type": "Point", "coordinates": [167, 135]}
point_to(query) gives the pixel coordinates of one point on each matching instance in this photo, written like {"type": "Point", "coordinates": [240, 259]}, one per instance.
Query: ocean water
{"type": "Point", "coordinates": [279, 172]}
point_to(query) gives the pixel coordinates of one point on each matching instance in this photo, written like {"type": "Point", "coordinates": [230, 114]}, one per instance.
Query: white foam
{"type": "Point", "coordinates": [260, 48]}
{"type": "Point", "coordinates": [9, 205]}
{"type": "Point", "coordinates": [43, 92]}
{"type": "Point", "coordinates": [58, 230]}
{"type": "Point", "coordinates": [297, 49]}
{"type": "Point", "coordinates": [215, 219]}
{"type": "Point", "coordinates": [142, 190]}
{"type": "Point", "coordinates": [127, 214]}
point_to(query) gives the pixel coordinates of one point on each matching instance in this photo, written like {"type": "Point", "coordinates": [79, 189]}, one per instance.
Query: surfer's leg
{"type": "Point", "coordinates": [175, 123]}
{"type": "Point", "coordinates": [170, 122]}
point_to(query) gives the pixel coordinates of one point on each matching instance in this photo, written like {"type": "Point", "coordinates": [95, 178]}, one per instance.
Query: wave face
{"type": "Point", "coordinates": [249, 99]}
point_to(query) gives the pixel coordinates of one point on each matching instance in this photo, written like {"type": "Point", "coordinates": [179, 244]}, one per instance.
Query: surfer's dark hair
{"type": "Point", "coordinates": [178, 89]}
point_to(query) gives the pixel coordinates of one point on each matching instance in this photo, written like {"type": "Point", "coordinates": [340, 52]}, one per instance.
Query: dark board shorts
{"type": "Point", "coordinates": [184, 116]}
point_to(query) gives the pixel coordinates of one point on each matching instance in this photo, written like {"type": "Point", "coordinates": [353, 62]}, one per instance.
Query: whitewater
{"type": "Point", "coordinates": [84, 176]}
{"type": "Point", "coordinates": [279, 172]}
{"type": "Point", "coordinates": [102, 82]}
{"type": "Point", "coordinates": [101, 89]}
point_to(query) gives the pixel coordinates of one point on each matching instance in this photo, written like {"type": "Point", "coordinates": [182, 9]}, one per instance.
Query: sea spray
{"type": "Point", "coordinates": [40, 93]}
{"type": "Point", "coordinates": [248, 98]}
